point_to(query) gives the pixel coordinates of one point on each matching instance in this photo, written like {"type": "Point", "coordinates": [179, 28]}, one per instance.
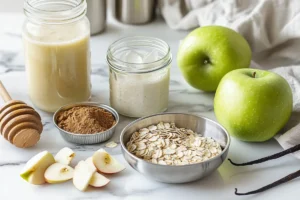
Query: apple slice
{"type": "Point", "coordinates": [106, 163]}
{"type": "Point", "coordinates": [98, 180]}
{"type": "Point", "coordinates": [65, 156]}
{"type": "Point", "coordinates": [89, 161]}
{"type": "Point", "coordinates": [82, 175]}
{"type": "Point", "coordinates": [58, 173]}
{"type": "Point", "coordinates": [34, 170]}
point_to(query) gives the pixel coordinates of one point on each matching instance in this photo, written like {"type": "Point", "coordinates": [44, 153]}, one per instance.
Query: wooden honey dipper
{"type": "Point", "coordinates": [20, 124]}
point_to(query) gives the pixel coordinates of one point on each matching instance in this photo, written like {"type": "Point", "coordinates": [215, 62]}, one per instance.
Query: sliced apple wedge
{"type": "Point", "coordinates": [34, 170]}
{"type": "Point", "coordinates": [89, 161]}
{"type": "Point", "coordinates": [58, 173]}
{"type": "Point", "coordinates": [82, 175]}
{"type": "Point", "coordinates": [106, 163]}
{"type": "Point", "coordinates": [65, 156]}
{"type": "Point", "coordinates": [98, 180]}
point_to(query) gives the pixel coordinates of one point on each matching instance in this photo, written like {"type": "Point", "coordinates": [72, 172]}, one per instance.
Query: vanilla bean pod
{"type": "Point", "coordinates": [274, 184]}
{"type": "Point", "coordinates": [271, 157]}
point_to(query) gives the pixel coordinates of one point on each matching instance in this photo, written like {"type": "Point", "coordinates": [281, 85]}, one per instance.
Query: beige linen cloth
{"type": "Point", "coordinates": [272, 28]}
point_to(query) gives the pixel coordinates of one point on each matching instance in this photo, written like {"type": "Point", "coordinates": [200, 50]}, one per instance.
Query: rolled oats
{"type": "Point", "coordinates": [166, 144]}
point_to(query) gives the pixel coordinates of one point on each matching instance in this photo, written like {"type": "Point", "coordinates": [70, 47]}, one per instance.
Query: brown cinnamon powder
{"type": "Point", "coordinates": [85, 120]}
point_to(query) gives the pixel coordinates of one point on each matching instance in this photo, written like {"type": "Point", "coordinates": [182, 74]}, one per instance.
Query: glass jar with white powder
{"type": "Point", "coordinates": [139, 75]}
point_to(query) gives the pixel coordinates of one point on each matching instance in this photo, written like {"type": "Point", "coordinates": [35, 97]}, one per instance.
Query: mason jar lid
{"type": "Point", "coordinates": [132, 54]}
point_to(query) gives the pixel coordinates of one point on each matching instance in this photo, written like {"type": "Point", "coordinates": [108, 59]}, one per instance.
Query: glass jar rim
{"type": "Point", "coordinates": [118, 64]}
{"type": "Point", "coordinates": [34, 13]}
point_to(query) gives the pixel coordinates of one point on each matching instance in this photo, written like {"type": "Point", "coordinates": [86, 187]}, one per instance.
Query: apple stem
{"type": "Point", "coordinates": [254, 74]}
{"type": "Point", "coordinates": [274, 184]}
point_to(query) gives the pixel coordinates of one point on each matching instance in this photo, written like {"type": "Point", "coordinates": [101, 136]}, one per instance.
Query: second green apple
{"type": "Point", "coordinates": [210, 52]}
{"type": "Point", "coordinates": [252, 104]}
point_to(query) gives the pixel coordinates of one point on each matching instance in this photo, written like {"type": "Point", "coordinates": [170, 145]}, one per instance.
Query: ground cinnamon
{"type": "Point", "coordinates": [85, 120]}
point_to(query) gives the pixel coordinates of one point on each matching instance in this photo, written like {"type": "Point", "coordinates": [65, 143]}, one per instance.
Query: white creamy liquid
{"type": "Point", "coordinates": [57, 64]}
{"type": "Point", "coordinates": [138, 95]}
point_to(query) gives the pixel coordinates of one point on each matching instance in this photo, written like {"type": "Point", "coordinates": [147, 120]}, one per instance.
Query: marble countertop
{"type": "Point", "coordinates": [130, 184]}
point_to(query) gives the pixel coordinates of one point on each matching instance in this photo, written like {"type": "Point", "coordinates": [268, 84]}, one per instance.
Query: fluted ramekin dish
{"type": "Point", "coordinates": [87, 138]}
{"type": "Point", "coordinates": [181, 173]}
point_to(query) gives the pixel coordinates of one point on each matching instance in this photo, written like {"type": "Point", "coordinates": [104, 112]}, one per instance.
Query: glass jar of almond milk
{"type": "Point", "coordinates": [139, 75]}
{"type": "Point", "coordinates": [56, 37]}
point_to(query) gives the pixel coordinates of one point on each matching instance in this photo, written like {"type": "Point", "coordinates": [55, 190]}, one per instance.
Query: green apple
{"type": "Point", "coordinates": [34, 170]}
{"type": "Point", "coordinates": [253, 105]}
{"type": "Point", "coordinates": [210, 52]}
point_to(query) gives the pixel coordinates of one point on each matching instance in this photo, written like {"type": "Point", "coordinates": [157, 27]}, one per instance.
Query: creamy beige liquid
{"type": "Point", "coordinates": [58, 68]}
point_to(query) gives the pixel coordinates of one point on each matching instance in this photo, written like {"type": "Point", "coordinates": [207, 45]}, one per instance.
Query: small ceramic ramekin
{"type": "Point", "coordinates": [86, 138]}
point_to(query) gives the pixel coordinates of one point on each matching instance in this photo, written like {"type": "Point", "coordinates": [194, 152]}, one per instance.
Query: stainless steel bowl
{"type": "Point", "coordinates": [86, 138]}
{"type": "Point", "coordinates": [183, 173]}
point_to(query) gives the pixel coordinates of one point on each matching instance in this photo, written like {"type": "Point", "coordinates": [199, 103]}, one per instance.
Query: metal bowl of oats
{"type": "Point", "coordinates": [174, 147]}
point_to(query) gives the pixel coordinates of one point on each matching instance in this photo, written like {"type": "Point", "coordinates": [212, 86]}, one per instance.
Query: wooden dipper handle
{"type": "Point", "coordinates": [4, 94]}
{"type": "Point", "coordinates": [19, 123]}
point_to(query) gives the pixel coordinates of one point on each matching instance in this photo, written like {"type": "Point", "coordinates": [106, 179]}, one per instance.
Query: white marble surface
{"type": "Point", "coordinates": [130, 184]}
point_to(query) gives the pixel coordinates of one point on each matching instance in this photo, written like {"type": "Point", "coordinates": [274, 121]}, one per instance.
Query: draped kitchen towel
{"type": "Point", "coordinates": [272, 28]}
